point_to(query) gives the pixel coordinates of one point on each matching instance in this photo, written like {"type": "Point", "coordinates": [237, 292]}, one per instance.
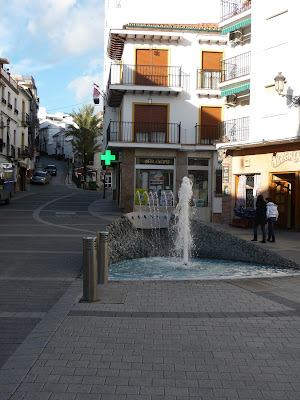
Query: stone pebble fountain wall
{"type": "Point", "coordinates": [127, 242]}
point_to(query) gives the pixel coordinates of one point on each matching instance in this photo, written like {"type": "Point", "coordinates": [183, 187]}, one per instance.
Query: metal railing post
{"type": "Point", "coordinates": [102, 257]}
{"type": "Point", "coordinates": [90, 269]}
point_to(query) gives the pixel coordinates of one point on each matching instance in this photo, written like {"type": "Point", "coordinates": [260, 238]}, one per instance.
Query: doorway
{"type": "Point", "coordinates": [283, 194]}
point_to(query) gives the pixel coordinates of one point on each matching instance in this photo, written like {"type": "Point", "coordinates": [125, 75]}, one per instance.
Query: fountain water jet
{"type": "Point", "coordinates": [182, 214]}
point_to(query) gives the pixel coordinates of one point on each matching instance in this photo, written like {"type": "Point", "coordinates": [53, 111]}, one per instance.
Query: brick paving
{"type": "Point", "coordinates": [235, 339]}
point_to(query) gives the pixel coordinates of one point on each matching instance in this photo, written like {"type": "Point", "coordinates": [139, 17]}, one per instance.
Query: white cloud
{"type": "Point", "coordinates": [82, 86]}
{"type": "Point", "coordinates": [73, 27]}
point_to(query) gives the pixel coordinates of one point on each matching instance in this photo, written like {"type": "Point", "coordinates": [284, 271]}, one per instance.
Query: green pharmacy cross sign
{"type": "Point", "coordinates": [108, 157]}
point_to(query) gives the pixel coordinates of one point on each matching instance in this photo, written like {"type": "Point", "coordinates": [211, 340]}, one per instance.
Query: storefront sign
{"type": "Point", "coordinates": [280, 158]}
{"type": "Point", "coordinates": [225, 177]}
{"type": "Point", "coordinates": [155, 161]}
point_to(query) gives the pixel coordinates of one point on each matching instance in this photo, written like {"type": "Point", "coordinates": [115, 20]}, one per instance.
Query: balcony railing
{"type": "Point", "coordinates": [229, 8]}
{"type": "Point", "coordinates": [25, 119]}
{"type": "Point", "coordinates": [207, 134]}
{"type": "Point", "coordinates": [236, 67]}
{"type": "Point", "coordinates": [145, 75]}
{"type": "Point", "coordinates": [143, 132]}
{"type": "Point", "coordinates": [25, 152]}
{"type": "Point", "coordinates": [208, 79]}
{"type": "Point", "coordinates": [234, 130]}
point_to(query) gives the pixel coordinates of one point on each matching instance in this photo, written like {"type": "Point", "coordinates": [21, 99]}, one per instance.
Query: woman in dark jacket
{"type": "Point", "coordinates": [260, 218]}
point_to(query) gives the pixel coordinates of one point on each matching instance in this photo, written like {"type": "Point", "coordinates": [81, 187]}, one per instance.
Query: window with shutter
{"type": "Point", "coordinates": [151, 67]}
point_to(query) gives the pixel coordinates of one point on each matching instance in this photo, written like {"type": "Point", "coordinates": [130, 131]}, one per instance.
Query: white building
{"type": "Point", "coordinates": [52, 134]}
{"type": "Point", "coordinates": [261, 138]}
{"type": "Point", "coordinates": [18, 122]}
{"type": "Point", "coordinates": [162, 112]}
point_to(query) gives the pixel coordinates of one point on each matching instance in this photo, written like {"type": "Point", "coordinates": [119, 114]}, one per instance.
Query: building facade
{"type": "Point", "coordinates": [260, 145]}
{"type": "Point", "coordinates": [18, 123]}
{"type": "Point", "coordinates": [163, 107]}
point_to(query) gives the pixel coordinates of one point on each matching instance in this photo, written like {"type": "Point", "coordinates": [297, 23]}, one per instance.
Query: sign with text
{"type": "Point", "coordinates": [225, 177]}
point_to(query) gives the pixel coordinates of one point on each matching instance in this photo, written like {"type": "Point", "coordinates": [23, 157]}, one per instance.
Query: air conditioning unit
{"type": "Point", "coordinates": [230, 100]}
{"type": "Point", "coordinates": [235, 37]}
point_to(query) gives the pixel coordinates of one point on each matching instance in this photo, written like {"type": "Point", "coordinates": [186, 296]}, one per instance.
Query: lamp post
{"type": "Point", "coordinates": [279, 86]}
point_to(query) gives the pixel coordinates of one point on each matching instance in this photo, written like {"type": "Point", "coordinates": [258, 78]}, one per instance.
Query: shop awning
{"type": "Point", "coordinates": [236, 26]}
{"type": "Point", "coordinates": [235, 89]}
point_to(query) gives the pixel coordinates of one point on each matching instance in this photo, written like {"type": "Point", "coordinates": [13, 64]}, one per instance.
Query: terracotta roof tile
{"type": "Point", "coordinates": [201, 26]}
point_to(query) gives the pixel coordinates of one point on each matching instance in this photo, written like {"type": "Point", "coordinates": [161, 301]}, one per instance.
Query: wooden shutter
{"type": "Point", "coordinates": [151, 67]}
{"type": "Point", "coordinates": [211, 60]}
{"type": "Point", "coordinates": [150, 118]}
{"type": "Point", "coordinates": [210, 118]}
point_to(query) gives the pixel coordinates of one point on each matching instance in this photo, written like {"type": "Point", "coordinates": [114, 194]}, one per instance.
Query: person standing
{"type": "Point", "coordinates": [272, 216]}
{"type": "Point", "coordinates": [260, 218]}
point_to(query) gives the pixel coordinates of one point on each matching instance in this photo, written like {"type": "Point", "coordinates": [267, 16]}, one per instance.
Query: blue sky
{"type": "Point", "coordinates": [59, 43]}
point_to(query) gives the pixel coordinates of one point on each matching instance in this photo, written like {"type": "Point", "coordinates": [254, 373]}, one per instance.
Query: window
{"type": "Point", "coordinates": [200, 187]}
{"type": "Point", "coordinates": [154, 176]}
{"type": "Point", "coordinates": [218, 191]}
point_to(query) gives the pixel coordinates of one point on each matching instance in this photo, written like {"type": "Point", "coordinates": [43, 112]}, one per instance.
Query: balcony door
{"type": "Point", "coordinates": [150, 123]}
{"type": "Point", "coordinates": [209, 124]}
{"type": "Point", "coordinates": [151, 67]}
{"type": "Point", "coordinates": [211, 69]}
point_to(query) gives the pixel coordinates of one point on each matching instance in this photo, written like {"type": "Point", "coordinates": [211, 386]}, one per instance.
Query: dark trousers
{"type": "Point", "coordinates": [271, 233]}
{"type": "Point", "coordinates": [263, 230]}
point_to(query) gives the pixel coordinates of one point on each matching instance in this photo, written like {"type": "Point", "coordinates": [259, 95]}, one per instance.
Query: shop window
{"type": "Point", "coordinates": [158, 182]}
{"type": "Point", "coordinates": [200, 187]}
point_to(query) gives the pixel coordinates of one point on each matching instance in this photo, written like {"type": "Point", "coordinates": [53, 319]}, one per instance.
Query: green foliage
{"type": "Point", "coordinates": [89, 127]}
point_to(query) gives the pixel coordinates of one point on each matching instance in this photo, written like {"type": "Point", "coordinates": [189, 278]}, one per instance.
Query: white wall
{"type": "Point", "coordinates": [275, 49]}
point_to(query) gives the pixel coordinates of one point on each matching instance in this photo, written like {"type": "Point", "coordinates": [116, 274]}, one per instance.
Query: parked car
{"type": "Point", "coordinates": [51, 168]}
{"type": "Point", "coordinates": [6, 182]}
{"type": "Point", "coordinates": [41, 177]}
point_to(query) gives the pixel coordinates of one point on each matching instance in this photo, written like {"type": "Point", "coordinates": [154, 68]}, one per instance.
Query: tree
{"type": "Point", "coordinates": [88, 127]}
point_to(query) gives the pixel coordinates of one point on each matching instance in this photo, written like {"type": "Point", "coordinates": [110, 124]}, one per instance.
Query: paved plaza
{"type": "Point", "coordinates": [170, 340]}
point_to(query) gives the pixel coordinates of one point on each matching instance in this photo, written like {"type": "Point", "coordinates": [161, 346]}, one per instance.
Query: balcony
{"type": "Point", "coordinates": [25, 152]}
{"type": "Point", "coordinates": [230, 8]}
{"type": "Point", "coordinates": [142, 78]}
{"type": "Point", "coordinates": [208, 79]}
{"type": "Point", "coordinates": [234, 130]}
{"type": "Point", "coordinates": [25, 119]}
{"type": "Point", "coordinates": [207, 134]}
{"type": "Point", "coordinates": [143, 132]}
{"type": "Point", "coordinates": [236, 67]}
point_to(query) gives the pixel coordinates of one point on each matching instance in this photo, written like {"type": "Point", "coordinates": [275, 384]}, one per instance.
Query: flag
{"type": "Point", "coordinates": [96, 92]}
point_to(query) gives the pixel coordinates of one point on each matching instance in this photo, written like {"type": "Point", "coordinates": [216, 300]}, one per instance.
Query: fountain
{"type": "Point", "coordinates": [137, 252]}
{"type": "Point", "coordinates": [182, 214]}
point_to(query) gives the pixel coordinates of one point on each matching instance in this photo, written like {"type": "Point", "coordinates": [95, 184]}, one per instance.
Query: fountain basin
{"type": "Point", "coordinates": [161, 268]}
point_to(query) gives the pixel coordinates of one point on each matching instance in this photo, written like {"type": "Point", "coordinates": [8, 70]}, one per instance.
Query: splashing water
{"type": "Point", "coordinates": [184, 238]}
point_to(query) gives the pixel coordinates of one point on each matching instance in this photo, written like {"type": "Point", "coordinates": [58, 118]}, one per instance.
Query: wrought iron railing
{"type": "Point", "coordinates": [235, 130]}
{"type": "Point", "coordinates": [145, 75]}
{"type": "Point", "coordinates": [236, 67]}
{"type": "Point", "coordinates": [207, 134]}
{"type": "Point", "coordinates": [25, 151]}
{"type": "Point", "coordinates": [208, 78]}
{"type": "Point", "coordinates": [25, 119]}
{"type": "Point", "coordinates": [143, 132]}
{"type": "Point", "coordinates": [229, 8]}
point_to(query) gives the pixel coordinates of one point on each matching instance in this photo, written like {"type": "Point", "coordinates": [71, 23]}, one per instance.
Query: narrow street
{"type": "Point", "coordinates": [41, 250]}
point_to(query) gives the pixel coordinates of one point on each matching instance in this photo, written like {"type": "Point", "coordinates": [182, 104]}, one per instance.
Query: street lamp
{"type": "Point", "coordinates": [279, 86]}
